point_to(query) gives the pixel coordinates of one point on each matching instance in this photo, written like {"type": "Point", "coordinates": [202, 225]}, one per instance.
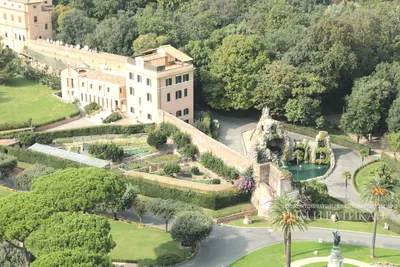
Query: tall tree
{"type": "Point", "coordinates": [393, 119]}
{"type": "Point", "coordinates": [284, 215]}
{"type": "Point", "coordinates": [191, 228]}
{"type": "Point", "coordinates": [346, 176]}
{"type": "Point", "coordinates": [114, 35]}
{"type": "Point", "coordinates": [24, 212]}
{"type": "Point", "coordinates": [234, 71]}
{"type": "Point", "coordinates": [363, 153]}
{"type": "Point", "coordinates": [63, 231]}
{"type": "Point", "coordinates": [74, 26]}
{"type": "Point", "coordinates": [377, 192]}
{"type": "Point", "coordinates": [121, 202]}
{"type": "Point", "coordinates": [365, 106]}
{"type": "Point", "coordinates": [303, 110]}
{"type": "Point", "coordinates": [79, 189]}
{"type": "Point", "coordinates": [393, 140]}
{"type": "Point", "coordinates": [8, 63]}
{"type": "Point", "coordinates": [162, 209]}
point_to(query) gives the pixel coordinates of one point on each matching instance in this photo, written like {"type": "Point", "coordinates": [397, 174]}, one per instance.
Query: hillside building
{"type": "Point", "coordinates": [160, 79]}
{"type": "Point", "coordinates": [23, 20]}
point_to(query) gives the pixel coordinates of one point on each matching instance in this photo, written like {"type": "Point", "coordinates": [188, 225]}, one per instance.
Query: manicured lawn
{"type": "Point", "coordinates": [141, 244]}
{"type": "Point", "coordinates": [21, 99]}
{"type": "Point", "coordinates": [322, 223]}
{"type": "Point", "coordinates": [273, 255]}
{"type": "Point", "coordinates": [325, 265]}
{"type": "Point", "coordinates": [4, 193]}
{"type": "Point", "coordinates": [365, 173]}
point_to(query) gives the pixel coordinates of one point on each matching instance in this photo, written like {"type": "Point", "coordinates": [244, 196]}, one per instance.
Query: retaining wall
{"type": "Point", "coordinates": [56, 124]}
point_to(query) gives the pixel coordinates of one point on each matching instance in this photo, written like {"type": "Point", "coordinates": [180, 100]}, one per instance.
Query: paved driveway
{"type": "Point", "coordinates": [228, 244]}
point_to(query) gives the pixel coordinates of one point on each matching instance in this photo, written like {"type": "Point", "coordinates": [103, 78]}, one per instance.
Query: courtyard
{"type": "Point", "coordinates": [21, 99]}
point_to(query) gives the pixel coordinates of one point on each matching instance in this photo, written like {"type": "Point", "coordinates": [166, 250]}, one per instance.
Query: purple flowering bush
{"type": "Point", "coordinates": [246, 184]}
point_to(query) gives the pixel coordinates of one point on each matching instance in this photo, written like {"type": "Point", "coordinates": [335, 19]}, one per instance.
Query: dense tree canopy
{"type": "Point", "coordinates": [10, 256]}
{"type": "Point", "coordinates": [8, 63]}
{"type": "Point", "coordinates": [255, 53]}
{"type": "Point", "coordinates": [25, 178]}
{"type": "Point", "coordinates": [191, 228]}
{"type": "Point", "coordinates": [71, 231]}
{"type": "Point", "coordinates": [68, 258]}
{"type": "Point", "coordinates": [79, 189]}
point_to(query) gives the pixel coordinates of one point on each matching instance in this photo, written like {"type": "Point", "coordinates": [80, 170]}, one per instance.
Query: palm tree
{"type": "Point", "coordinates": [364, 152]}
{"type": "Point", "coordinates": [285, 214]}
{"type": "Point", "coordinates": [346, 176]}
{"type": "Point", "coordinates": [377, 191]}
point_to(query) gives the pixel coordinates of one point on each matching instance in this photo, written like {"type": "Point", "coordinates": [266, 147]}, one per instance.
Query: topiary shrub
{"type": "Point", "coordinates": [189, 150]}
{"type": "Point", "coordinates": [157, 139]}
{"type": "Point", "coordinates": [195, 170]}
{"type": "Point", "coordinates": [90, 108]}
{"type": "Point", "coordinates": [26, 138]}
{"type": "Point", "coordinates": [181, 139]}
{"type": "Point", "coordinates": [168, 128]}
{"type": "Point", "coordinates": [7, 164]}
{"type": "Point", "coordinates": [106, 151]}
{"type": "Point", "coordinates": [171, 168]}
{"type": "Point", "coordinates": [113, 117]}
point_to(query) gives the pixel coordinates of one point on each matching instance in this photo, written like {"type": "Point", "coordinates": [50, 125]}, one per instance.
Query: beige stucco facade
{"type": "Point", "coordinates": [161, 79]}
{"type": "Point", "coordinates": [22, 20]}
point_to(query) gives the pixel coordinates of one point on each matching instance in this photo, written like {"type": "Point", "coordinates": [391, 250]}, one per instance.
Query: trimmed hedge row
{"type": "Point", "coordinates": [7, 164]}
{"type": "Point", "coordinates": [393, 225]}
{"type": "Point", "coordinates": [342, 213]}
{"type": "Point", "coordinates": [217, 165]}
{"type": "Point", "coordinates": [359, 169]}
{"type": "Point", "coordinates": [33, 157]}
{"type": "Point", "coordinates": [212, 201]}
{"type": "Point", "coordinates": [47, 137]}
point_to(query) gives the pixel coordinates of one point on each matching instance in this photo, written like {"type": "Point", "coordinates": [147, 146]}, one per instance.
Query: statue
{"type": "Point", "coordinates": [336, 236]}
{"type": "Point", "coordinates": [335, 259]}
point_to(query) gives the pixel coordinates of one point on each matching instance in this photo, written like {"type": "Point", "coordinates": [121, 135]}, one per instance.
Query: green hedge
{"type": "Point", "coordinates": [113, 117]}
{"type": "Point", "coordinates": [343, 213]}
{"type": "Point", "coordinates": [212, 201]}
{"type": "Point", "coordinates": [33, 157]}
{"type": "Point", "coordinates": [391, 163]}
{"type": "Point", "coordinates": [393, 225]}
{"type": "Point", "coordinates": [7, 164]}
{"type": "Point", "coordinates": [13, 125]}
{"type": "Point", "coordinates": [359, 169]}
{"type": "Point", "coordinates": [217, 165]}
{"type": "Point", "coordinates": [95, 130]}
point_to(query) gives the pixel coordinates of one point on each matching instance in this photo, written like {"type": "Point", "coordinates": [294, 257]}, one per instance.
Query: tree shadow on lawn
{"type": "Point", "coordinates": [166, 248]}
{"type": "Point", "coordinates": [19, 82]}
{"type": "Point", "coordinates": [4, 99]}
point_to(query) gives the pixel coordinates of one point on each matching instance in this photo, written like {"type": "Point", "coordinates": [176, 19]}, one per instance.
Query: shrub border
{"type": "Point", "coordinates": [358, 170]}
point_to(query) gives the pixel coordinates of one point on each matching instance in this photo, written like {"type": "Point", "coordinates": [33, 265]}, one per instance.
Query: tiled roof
{"type": "Point", "coordinates": [169, 49]}
{"type": "Point", "coordinates": [8, 142]}
{"type": "Point", "coordinates": [100, 75]}
{"type": "Point", "coordinates": [49, 150]}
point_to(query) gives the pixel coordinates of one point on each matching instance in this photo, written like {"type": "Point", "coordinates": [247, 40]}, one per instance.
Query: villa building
{"type": "Point", "coordinates": [160, 79]}
{"type": "Point", "coordinates": [21, 20]}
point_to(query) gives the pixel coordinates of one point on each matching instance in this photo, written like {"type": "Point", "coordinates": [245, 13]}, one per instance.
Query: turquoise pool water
{"type": "Point", "coordinates": [306, 171]}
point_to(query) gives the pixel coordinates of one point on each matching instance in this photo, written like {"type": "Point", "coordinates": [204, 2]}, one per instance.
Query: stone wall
{"type": "Point", "coordinates": [235, 216]}
{"type": "Point", "coordinates": [74, 56]}
{"type": "Point", "coordinates": [206, 143]}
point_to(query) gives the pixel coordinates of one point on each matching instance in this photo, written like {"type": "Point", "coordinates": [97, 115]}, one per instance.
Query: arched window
{"type": "Point", "coordinates": [45, 26]}
{"type": "Point", "coordinates": [20, 37]}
